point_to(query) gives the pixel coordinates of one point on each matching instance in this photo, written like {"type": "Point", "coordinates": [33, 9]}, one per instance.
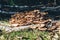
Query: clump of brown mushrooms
{"type": "Point", "coordinates": [27, 18]}
{"type": "Point", "coordinates": [34, 18]}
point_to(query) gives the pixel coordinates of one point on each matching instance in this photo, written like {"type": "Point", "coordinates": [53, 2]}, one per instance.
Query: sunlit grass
{"type": "Point", "coordinates": [25, 34]}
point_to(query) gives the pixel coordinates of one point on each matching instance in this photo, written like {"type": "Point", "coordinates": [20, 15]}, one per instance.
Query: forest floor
{"type": "Point", "coordinates": [28, 34]}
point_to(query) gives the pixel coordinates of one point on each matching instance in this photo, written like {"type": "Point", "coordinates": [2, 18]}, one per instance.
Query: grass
{"type": "Point", "coordinates": [25, 35]}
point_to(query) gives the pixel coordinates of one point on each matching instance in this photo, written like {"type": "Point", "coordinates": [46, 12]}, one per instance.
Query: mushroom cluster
{"type": "Point", "coordinates": [53, 26]}
{"type": "Point", "coordinates": [35, 18]}
{"type": "Point", "coordinates": [27, 18]}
